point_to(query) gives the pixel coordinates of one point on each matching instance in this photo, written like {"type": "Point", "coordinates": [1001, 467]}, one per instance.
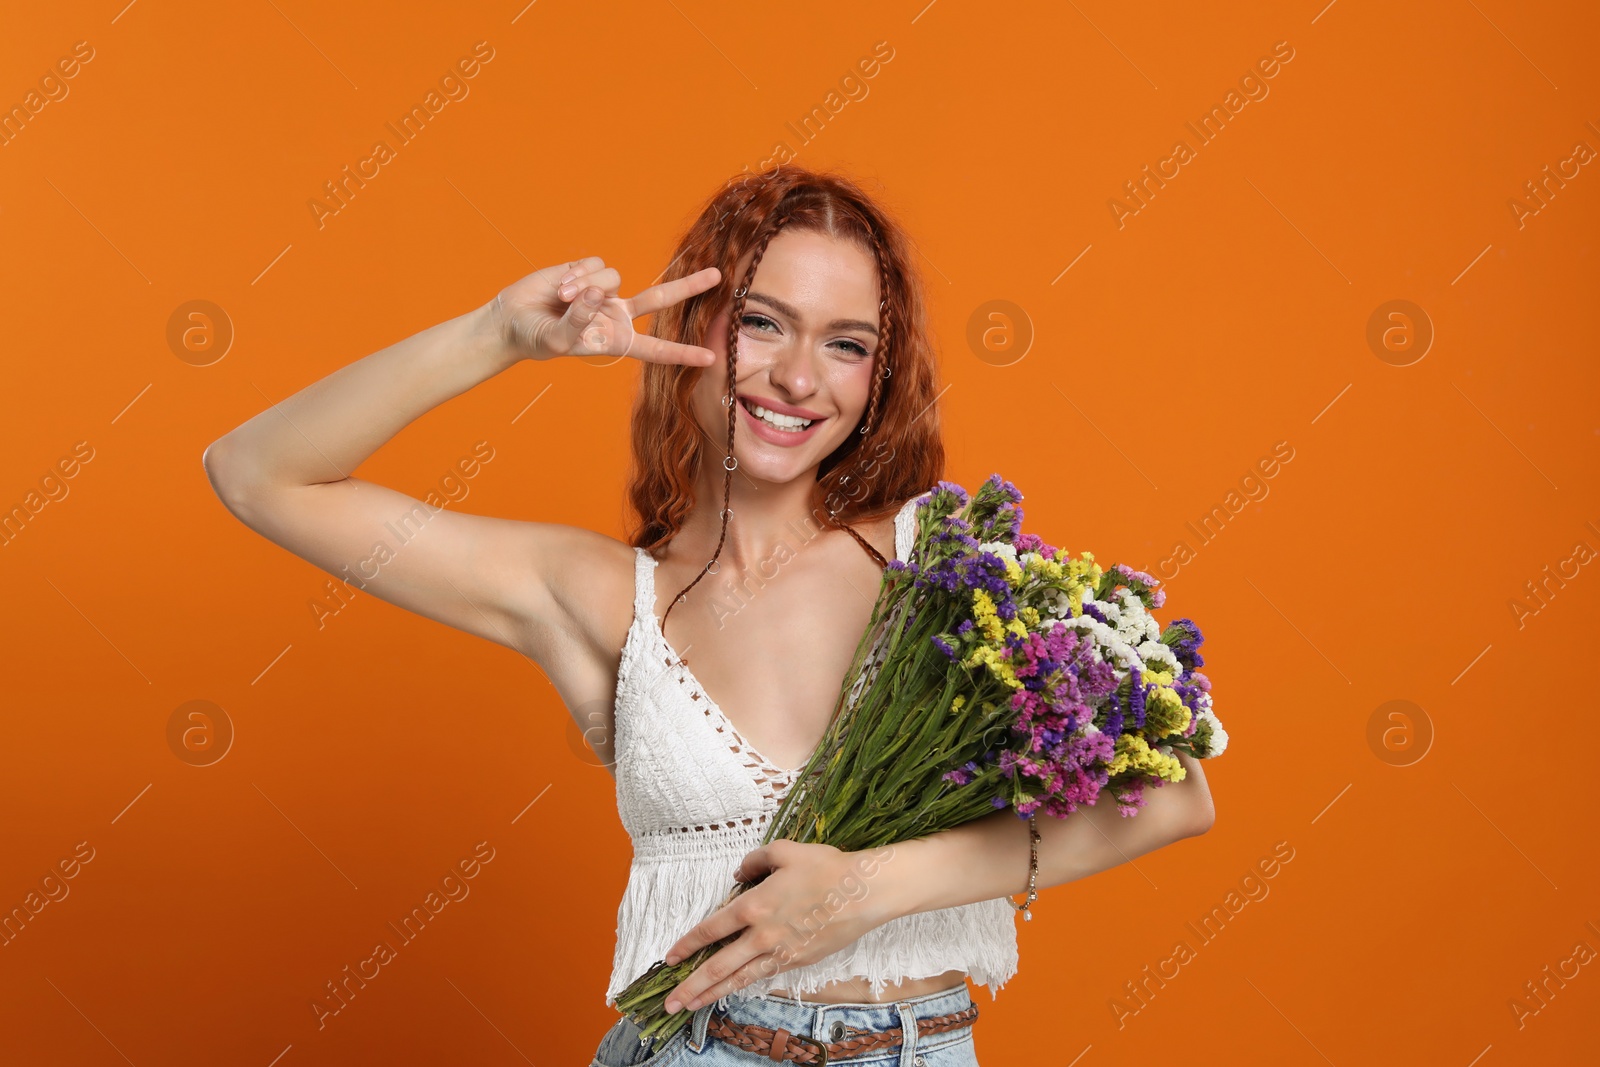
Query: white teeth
{"type": "Point", "coordinates": [781, 422]}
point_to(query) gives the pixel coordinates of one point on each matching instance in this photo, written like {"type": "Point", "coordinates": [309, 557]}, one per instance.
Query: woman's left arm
{"type": "Point", "coordinates": [988, 858]}
{"type": "Point", "coordinates": [817, 899]}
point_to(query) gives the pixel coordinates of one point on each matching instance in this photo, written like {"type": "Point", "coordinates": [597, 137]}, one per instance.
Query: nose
{"type": "Point", "coordinates": [794, 370]}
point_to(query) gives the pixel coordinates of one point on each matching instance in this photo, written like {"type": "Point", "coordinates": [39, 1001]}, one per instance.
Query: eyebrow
{"type": "Point", "coordinates": [836, 324]}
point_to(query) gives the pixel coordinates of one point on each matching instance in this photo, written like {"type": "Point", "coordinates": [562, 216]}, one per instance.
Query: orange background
{"type": "Point", "coordinates": [1230, 313]}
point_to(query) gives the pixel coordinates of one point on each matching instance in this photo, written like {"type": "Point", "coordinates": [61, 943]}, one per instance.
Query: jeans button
{"type": "Point", "coordinates": [836, 1031]}
{"type": "Point", "coordinates": [919, 1061]}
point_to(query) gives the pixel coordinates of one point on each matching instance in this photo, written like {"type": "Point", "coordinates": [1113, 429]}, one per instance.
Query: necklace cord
{"type": "Point", "coordinates": [880, 371]}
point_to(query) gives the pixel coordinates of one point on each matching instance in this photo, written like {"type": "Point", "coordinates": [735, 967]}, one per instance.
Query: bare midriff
{"type": "Point", "coordinates": [858, 991]}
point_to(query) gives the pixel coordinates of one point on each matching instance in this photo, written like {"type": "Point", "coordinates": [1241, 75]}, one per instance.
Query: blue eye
{"type": "Point", "coordinates": [752, 319]}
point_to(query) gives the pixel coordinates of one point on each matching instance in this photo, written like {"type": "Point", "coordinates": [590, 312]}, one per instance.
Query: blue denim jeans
{"type": "Point", "coordinates": [691, 1046]}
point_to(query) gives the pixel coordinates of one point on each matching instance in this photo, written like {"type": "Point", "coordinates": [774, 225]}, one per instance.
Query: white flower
{"type": "Point", "coordinates": [1219, 736]}
{"type": "Point", "coordinates": [1107, 646]}
{"type": "Point", "coordinates": [1154, 652]}
{"type": "Point", "coordinates": [1003, 549]}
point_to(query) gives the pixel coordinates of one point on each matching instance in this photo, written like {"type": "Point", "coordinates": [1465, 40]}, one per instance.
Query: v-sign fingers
{"type": "Point", "coordinates": [666, 294]}
{"type": "Point", "coordinates": [597, 325]}
{"type": "Point", "coordinates": [653, 349]}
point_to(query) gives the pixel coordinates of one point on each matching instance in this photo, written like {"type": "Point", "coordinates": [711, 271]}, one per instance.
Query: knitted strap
{"type": "Point", "coordinates": [780, 1044]}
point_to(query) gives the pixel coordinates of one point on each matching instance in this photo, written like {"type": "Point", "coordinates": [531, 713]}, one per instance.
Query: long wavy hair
{"type": "Point", "coordinates": [897, 450]}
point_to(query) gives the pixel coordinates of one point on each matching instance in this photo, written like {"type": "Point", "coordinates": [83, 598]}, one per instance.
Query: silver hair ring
{"type": "Point", "coordinates": [730, 463]}
{"type": "Point", "coordinates": [741, 290]}
{"type": "Point", "coordinates": [712, 567]}
{"type": "Point", "coordinates": [728, 512]}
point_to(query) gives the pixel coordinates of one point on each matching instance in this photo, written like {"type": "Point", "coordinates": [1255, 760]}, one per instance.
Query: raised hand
{"type": "Point", "coordinates": [572, 309]}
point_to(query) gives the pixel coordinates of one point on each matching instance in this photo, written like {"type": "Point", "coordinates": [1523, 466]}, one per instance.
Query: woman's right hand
{"type": "Point", "coordinates": [572, 309]}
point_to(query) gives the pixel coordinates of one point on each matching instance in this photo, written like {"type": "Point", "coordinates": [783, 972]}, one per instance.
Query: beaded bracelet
{"type": "Point", "coordinates": [1033, 872]}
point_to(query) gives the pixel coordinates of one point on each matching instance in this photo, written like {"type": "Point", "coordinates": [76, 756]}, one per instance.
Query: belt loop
{"type": "Point", "coordinates": [698, 1025]}
{"type": "Point", "coordinates": [908, 1034]}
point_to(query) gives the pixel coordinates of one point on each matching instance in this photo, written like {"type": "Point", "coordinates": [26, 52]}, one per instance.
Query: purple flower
{"type": "Point", "coordinates": [1184, 638]}
{"type": "Point", "coordinates": [1136, 697]}
{"type": "Point", "coordinates": [1134, 576]}
{"type": "Point", "coordinates": [1034, 543]}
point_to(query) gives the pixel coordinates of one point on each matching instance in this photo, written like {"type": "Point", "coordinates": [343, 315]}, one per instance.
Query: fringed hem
{"type": "Point", "coordinates": [978, 938]}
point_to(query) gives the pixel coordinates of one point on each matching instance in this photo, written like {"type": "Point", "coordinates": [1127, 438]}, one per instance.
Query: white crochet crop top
{"type": "Point", "coordinates": [694, 798]}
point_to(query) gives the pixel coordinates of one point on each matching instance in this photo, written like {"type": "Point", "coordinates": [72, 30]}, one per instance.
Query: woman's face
{"type": "Point", "coordinates": [805, 355]}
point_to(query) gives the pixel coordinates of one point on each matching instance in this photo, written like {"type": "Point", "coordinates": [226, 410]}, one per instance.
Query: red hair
{"type": "Point", "coordinates": [897, 451]}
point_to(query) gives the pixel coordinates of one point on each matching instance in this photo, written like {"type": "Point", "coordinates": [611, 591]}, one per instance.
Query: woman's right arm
{"type": "Point", "coordinates": [285, 472]}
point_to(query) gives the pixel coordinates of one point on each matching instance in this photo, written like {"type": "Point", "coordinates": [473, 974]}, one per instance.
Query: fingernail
{"type": "Point", "coordinates": [567, 277]}
{"type": "Point", "coordinates": [671, 959]}
{"type": "Point", "coordinates": [591, 296]}
{"type": "Point", "coordinates": [673, 1006]}
{"type": "Point", "coordinates": [567, 291]}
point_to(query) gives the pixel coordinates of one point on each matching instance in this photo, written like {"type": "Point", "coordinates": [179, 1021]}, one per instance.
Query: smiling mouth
{"type": "Point", "coordinates": [781, 423]}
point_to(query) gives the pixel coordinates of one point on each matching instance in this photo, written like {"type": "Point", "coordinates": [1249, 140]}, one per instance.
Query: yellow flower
{"type": "Point", "coordinates": [1133, 754]}
{"type": "Point", "coordinates": [1129, 748]}
{"type": "Point", "coordinates": [988, 620]}
{"type": "Point", "coordinates": [1045, 567]}
{"type": "Point", "coordinates": [1165, 713]}
{"type": "Point", "coordinates": [1029, 615]}
{"type": "Point", "coordinates": [991, 657]}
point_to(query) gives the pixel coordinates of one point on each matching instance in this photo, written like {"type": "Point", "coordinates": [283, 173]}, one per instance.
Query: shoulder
{"type": "Point", "coordinates": [884, 531]}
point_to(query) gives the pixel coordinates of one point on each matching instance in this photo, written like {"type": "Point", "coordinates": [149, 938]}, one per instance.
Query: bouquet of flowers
{"type": "Point", "coordinates": [996, 671]}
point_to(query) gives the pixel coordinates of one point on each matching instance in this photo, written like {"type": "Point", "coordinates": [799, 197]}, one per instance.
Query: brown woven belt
{"type": "Point", "coordinates": [778, 1045]}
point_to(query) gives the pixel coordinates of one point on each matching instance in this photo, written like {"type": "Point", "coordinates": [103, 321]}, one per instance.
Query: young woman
{"type": "Point", "coordinates": [784, 425]}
